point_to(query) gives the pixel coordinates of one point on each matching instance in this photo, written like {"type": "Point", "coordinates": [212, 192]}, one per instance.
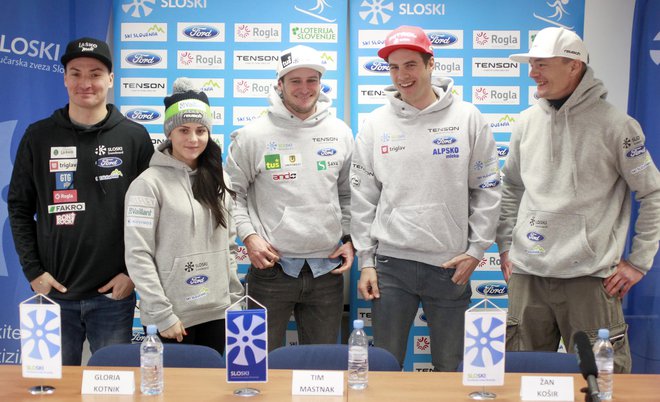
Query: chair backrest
{"type": "Point", "coordinates": [327, 357]}
{"type": "Point", "coordinates": [538, 362]}
{"type": "Point", "coordinates": [174, 355]}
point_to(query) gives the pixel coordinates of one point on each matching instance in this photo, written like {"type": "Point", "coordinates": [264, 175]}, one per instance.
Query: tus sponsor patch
{"type": "Point", "coordinates": [273, 162]}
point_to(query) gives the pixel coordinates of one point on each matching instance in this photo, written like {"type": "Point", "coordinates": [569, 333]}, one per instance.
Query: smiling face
{"type": "Point", "coordinates": [87, 82]}
{"type": "Point", "coordinates": [300, 90]}
{"type": "Point", "coordinates": [555, 77]}
{"type": "Point", "coordinates": [188, 142]}
{"type": "Point", "coordinates": [412, 77]}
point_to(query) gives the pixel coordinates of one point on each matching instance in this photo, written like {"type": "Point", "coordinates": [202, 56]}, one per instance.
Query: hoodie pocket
{"type": "Point", "coordinates": [198, 282]}
{"type": "Point", "coordinates": [431, 227]}
{"type": "Point", "coordinates": [307, 229]}
{"type": "Point", "coordinates": [562, 237]}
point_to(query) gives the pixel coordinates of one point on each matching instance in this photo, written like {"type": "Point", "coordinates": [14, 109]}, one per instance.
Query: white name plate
{"type": "Point", "coordinates": [542, 388]}
{"type": "Point", "coordinates": [307, 382]}
{"type": "Point", "coordinates": [108, 382]}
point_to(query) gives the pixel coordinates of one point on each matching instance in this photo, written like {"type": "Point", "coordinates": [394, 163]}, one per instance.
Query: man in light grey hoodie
{"type": "Point", "coordinates": [574, 160]}
{"type": "Point", "coordinates": [425, 202]}
{"type": "Point", "coordinates": [290, 170]}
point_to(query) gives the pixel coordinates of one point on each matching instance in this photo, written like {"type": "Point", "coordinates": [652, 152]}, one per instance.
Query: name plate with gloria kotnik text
{"type": "Point", "coordinates": [108, 382]}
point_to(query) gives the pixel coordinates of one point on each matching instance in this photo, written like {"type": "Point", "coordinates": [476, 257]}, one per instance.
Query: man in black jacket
{"type": "Point", "coordinates": [72, 171]}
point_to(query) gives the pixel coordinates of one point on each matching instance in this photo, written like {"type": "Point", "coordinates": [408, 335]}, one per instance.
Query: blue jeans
{"type": "Point", "coordinates": [100, 319]}
{"type": "Point", "coordinates": [403, 284]}
{"type": "Point", "coordinates": [317, 303]}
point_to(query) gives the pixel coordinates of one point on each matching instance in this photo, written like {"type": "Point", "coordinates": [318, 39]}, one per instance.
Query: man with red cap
{"type": "Point", "coordinates": [425, 202]}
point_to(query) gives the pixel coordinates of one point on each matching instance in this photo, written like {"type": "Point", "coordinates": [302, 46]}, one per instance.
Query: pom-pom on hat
{"type": "Point", "coordinates": [299, 57]}
{"type": "Point", "coordinates": [87, 47]}
{"type": "Point", "coordinates": [554, 42]}
{"type": "Point", "coordinates": [186, 105]}
{"type": "Point", "coordinates": [406, 37]}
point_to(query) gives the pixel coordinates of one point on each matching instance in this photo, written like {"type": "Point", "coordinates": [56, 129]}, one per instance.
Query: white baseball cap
{"type": "Point", "coordinates": [299, 57]}
{"type": "Point", "coordinates": [554, 42]}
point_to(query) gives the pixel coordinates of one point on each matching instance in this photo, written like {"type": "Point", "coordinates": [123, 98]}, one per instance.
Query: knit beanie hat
{"type": "Point", "coordinates": [186, 105]}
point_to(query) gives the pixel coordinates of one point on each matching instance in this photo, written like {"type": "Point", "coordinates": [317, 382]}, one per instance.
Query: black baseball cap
{"type": "Point", "coordinates": [88, 47]}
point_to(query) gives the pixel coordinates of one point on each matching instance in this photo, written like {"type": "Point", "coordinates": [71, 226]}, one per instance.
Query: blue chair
{"type": "Point", "coordinates": [538, 362]}
{"type": "Point", "coordinates": [327, 357]}
{"type": "Point", "coordinates": [174, 355]}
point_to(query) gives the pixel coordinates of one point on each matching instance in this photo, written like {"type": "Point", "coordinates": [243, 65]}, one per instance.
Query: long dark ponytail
{"type": "Point", "coordinates": [209, 187]}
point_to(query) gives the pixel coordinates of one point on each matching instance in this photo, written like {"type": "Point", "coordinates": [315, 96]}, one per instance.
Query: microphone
{"type": "Point", "coordinates": [587, 363]}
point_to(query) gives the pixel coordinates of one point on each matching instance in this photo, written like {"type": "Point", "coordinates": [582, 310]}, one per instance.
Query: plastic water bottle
{"type": "Point", "coordinates": [358, 357]}
{"type": "Point", "coordinates": [604, 354]}
{"type": "Point", "coordinates": [151, 363]}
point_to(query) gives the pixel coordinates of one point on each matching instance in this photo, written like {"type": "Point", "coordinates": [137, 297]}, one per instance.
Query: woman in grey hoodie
{"type": "Point", "coordinates": [179, 231]}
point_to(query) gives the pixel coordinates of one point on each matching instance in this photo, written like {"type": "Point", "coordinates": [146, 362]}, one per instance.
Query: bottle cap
{"type": "Point", "coordinates": [152, 330]}
{"type": "Point", "coordinates": [358, 324]}
{"type": "Point", "coordinates": [604, 333]}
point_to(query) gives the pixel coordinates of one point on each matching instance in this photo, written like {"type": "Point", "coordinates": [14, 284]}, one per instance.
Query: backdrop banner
{"type": "Point", "coordinates": [642, 305]}
{"type": "Point", "coordinates": [33, 37]}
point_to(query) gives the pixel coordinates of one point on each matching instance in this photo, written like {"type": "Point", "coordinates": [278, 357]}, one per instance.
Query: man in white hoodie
{"type": "Point", "coordinates": [290, 170]}
{"type": "Point", "coordinates": [574, 160]}
{"type": "Point", "coordinates": [425, 202]}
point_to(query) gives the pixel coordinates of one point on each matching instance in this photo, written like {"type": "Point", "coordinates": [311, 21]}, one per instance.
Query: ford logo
{"type": "Point", "coordinates": [201, 32]}
{"type": "Point", "coordinates": [377, 66]}
{"type": "Point", "coordinates": [502, 151]}
{"type": "Point", "coordinates": [325, 88]}
{"type": "Point", "coordinates": [489, 184]}
{"type": "Point", "coordinates": [143, 59]}
{"type": "Point", "coordinates": [636, 151]}
{"type": "Point", "coordinates": [444, 140]}
{"type": "Point", "coordinates": [109, 162]}
{"type": "Point", "coordinates": [442, 38]}
{"type": "Point", "coordinates": [197, 280]}
{"type": "Point", "coordinates": [142, 115]}
{"type": "Point", "coordinates": [492, 289]}
{"type": "Point", "coordinates": [326, 152]}
{"type": "Point", "coordinates": [534, 236]}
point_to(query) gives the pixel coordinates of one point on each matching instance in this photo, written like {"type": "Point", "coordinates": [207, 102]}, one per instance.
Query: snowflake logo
{"type": "Point", "coordinates": [378, 11]}
{"type": "Point", "coordinates": [39, 334]}
{"type": "Point", "coordinates": [532, 221]}
{"type": "Point", "coordinates": [243, 31]}
{"type": "Point", "coordinates": [482, 38]}
{"type": "Point", "coordinates": [186, 58]}
{"type": "Point", "coordinates": [272, 146]}
{"type": "Point", "coordinates": [189, 266]}
{"type": "Point", "coordinates": [100, 150]}
{"type": "Point", "coordinates": [140, 9]}
{"type": "Point", "coordinates": [484, 343]}
{"type": "Point", "coordinates": [626, 143]}
{"type": "Point", "coordinates": [242, 86]}
{"type": "Point", "coordinates": [423, 343]}
{"type": "Point", "coordinates": [478, 165]}
{"type": "Point", "coordinates": [481, 93]}
{"type": "Point", "coordinates": [245, 345]}
{"type": "Point", "coordinates": [385, 137]}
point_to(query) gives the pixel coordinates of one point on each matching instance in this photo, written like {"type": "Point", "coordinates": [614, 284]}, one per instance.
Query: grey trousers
{"type": "Point", "coordinates": [403, 285]}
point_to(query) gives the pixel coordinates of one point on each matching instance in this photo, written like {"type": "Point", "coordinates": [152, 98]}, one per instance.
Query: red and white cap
{"type": "Point", "coordinates": [554, 42]}
{"type": "Point", "coordinates": [406, 37]}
